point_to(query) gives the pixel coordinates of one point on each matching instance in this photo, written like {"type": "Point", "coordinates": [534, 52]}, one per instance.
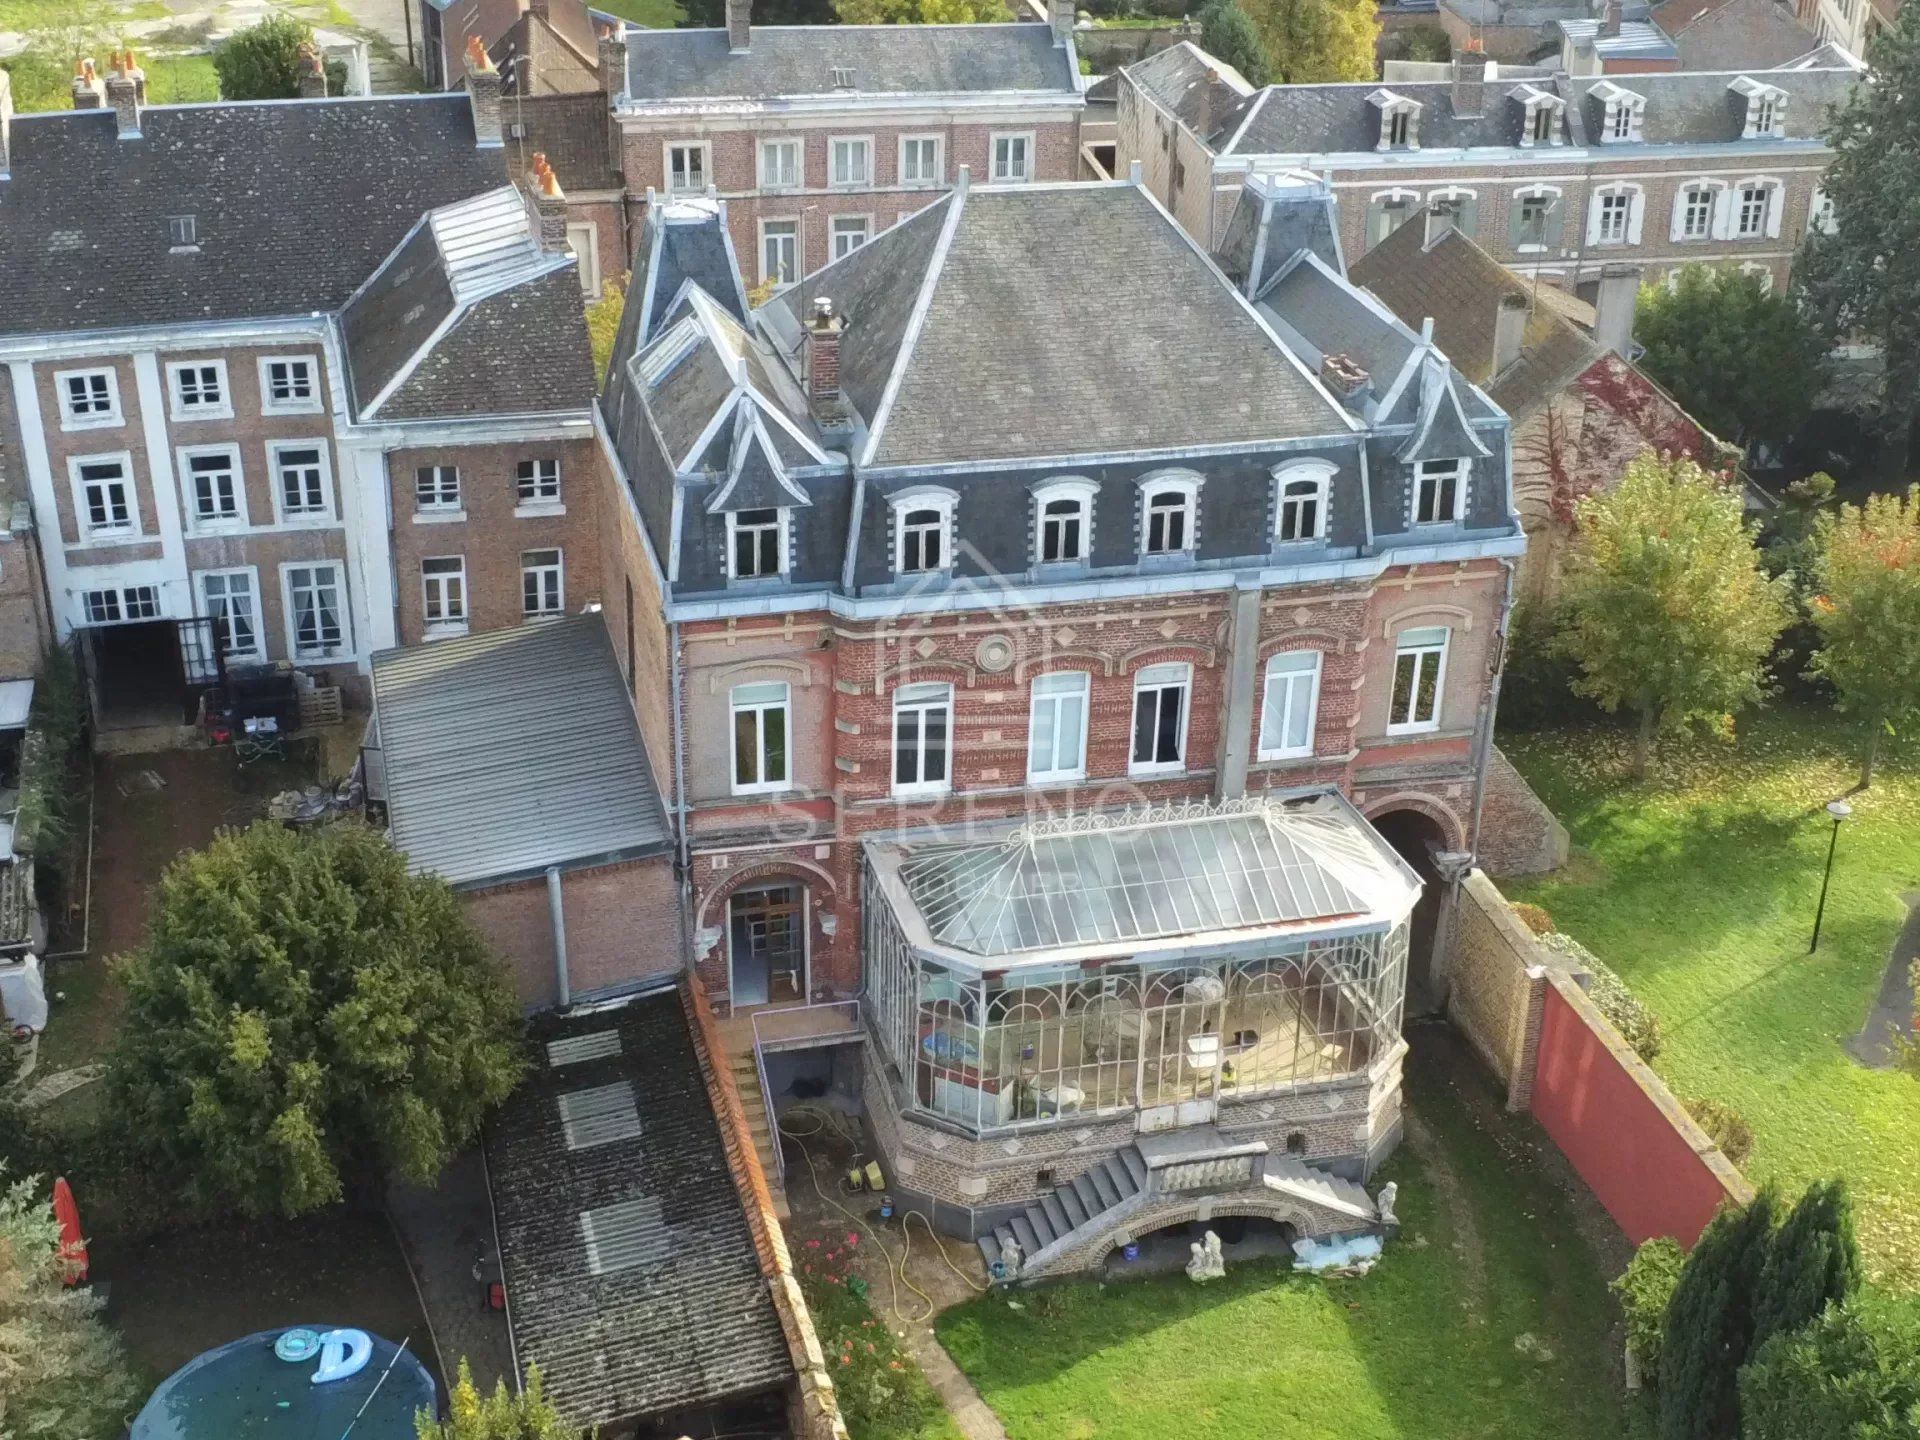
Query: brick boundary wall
{"type": "Point", "coordinates": [816, 1411]}
{"type": "Point", "coordinates": [1652, 1168]}
{"type": "Point", "coordinates": [1519, 835]}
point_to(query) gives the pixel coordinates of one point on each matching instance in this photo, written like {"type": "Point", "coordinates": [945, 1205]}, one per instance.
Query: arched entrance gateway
{"type": "Point", "coordinates": [1420, 839]}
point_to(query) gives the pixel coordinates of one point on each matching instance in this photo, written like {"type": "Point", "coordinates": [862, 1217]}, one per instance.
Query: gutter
{"type": "Point", "coordinates": [684, 857]}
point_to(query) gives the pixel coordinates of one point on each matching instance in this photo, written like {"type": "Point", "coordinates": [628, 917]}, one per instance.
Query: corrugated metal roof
{"type": "Point", "coordinates": [512, 751]}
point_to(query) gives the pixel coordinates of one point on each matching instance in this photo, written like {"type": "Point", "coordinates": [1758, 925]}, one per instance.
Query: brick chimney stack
{"type": "Point", "coordinates": [549, 203]}
{"type": "Point", "coordinates": [483, 91]}
{"type": "Point", "coordinates": [1610, 20]}
{"type": "Point", "coordinates": [1470, 74]}
{"type": "Point", "coordinates": [1061, 14]}
{"type": "Point", "coordinates": [124, 84]}
{"type": "Point", "coordinates": [739, 25]}
{"type": "Point", "coordinates": [6, 125]}
{"type": "Point", "coordinates": [1346, 378]}
{"type": "Point", "coordinates": [87, 94]}
{"type": "Point", "coordinates": [1509, 331]}
{"type": "Point", "coordinates": [823, 358]}
{"type": "Point", "coordinates": [313, 71]}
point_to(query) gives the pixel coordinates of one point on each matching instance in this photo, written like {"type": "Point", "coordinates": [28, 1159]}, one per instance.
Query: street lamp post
{"type": "Point", "coordinates": [1839, 810]}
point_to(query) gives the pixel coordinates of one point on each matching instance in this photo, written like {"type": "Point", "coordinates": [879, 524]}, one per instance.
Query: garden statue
{"type": "Point", "coordinates": [1389, 1193]}
{"type": "Point", "coordinates": [1207, 1262]}
{"type": "Point", "coordinates": [1007, 1267]}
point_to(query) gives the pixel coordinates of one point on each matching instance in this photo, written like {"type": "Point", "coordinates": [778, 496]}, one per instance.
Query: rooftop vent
{"type": "Point", "coordinates": [620, 1237]}
{"type": "Point", "coordinates": [575, 1048]}
{"type": "Point", "coordinates": [842, 77]}
{"type": "Point", "coordinates": [599, 1116]}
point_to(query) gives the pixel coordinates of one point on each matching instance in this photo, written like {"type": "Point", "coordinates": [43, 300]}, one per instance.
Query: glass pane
{"type": "Point", "coordinates": [1299, 713]}
{"type": "Point", "coordinates": [746, 747]}
{"type": "Point", "coordinates": [1273, 713]}
{"type": "Point", "coordinates": [1144, 707]}
{"type": "Point", "coordinates": [1069, 725]}
{"type": "Point", "coordinates": [906, 747]}
{"type": "Point", "coordinates": [936, 756]}
{"type": "Point", "coordinates": [1426, 693]}
{"type": "Point", "coordinates": [1404, 666]}
{"type": "Point", "coordinates": [1167, 740]}
{"type": "Point", "coordinates": [775, 723]}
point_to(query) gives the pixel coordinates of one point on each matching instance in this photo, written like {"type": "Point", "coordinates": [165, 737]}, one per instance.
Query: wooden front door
{"type": "Point", "coordinates": [767, 939]}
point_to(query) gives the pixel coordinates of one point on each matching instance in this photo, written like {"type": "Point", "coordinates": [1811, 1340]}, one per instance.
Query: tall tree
{"type": "Point", "coordinates": [1743, 362]}
{"type": "Point", "coordinates": [307, 1013]}
{"type": "Point", "coordinates": [1860, 273]}
{"type": "Point", "coordinates": [1315, 41]}
{"type": "Point", "coordinates": [1814, 1261]}
{"type": "Point", "coordinates": [500, 1416]}
{"type": "Point", "coordinates": [712, 14]}
{"type": "Point", "coordinates": [1667, 608]}
{"type": "Point", "coordinates": [1866, 608]}
{"type": "Point", "coordinates": [1226, 33]}
{"type": "Point", "coordinates": [1853, 1374]}
{"type": "Point", "coordinates": [62, 1372]}
{"type": "Point", "coordinates": [1709, 1327]}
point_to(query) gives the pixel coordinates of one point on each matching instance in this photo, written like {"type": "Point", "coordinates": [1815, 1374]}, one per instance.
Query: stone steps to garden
{"type": "Point", "coordinates": [1077, 1205]}
{"type": "Point", "coordinates": [746, 1079]}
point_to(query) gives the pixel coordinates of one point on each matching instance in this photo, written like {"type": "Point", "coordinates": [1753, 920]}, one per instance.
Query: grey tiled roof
{"type": "Point", "coordinates": [572, 132]}
{"type": "Point", "coordinates": [1695, 108]}
{"type": "Point", "coordinates": [691, 1321]}
{"type": "Point", "coordinates": [512, 751]}
{"type": "Point", "coordinates": [1023, 351]}
{"type": "Point", "coordinates": [521, 352]}
{"type": "Point", "coordinates": [295, 204]}
{"type": "Point", "coordinates": [1205, 94]}
{"type": "Point", "coordinates": [1733, 34]}
{"type": "Point", "coordinates": [795, 60]}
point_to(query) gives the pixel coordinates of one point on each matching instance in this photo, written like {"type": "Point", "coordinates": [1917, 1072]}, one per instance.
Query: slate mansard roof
{"type": "Point", "coordinates": [631, 1273]}
{"type": "Point", "coordinates": [1685, 108]}
{"type": "Point", "coordinates": [786, 62]}
{"type": "Point", "coordinates": [295, 203]}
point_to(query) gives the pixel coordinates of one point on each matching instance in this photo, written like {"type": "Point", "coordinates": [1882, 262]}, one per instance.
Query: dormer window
{"type": "Point", "coordinates": [923, 531]}
{"type": "Point", "coordinates": [1766, 109]}
{"type": "Point", "coordinates": [1063, 522]}
{"type": "Point", "coordinates": [1439, 492]}
{"type": "Point", "coordinates": [756, 544]}
{"type": "Point", "coordinates": [1167, 505]}
{"type": "Point", "coordinates": [1399, 121]}
{"type": "Point", "coordinates": [1543, 111]}
{"type": "Point", "coordinates": [182, 233]}
{"type": "Point", "coordinates": [1301, 513]}
{"type": "Point", "coordinates": [1624, 110]}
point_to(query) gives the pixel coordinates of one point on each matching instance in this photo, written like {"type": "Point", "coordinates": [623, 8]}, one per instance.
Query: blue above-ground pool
{"type": "Point", "coordinates": [244, 1389]}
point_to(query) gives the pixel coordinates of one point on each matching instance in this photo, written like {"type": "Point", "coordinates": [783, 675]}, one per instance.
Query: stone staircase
{"type": "Point", "coordinates": [1297, 1178]}
{"type": "Point", "coordinates": [746, 1079]}
{"type": "Point", "coordinates": [1073, 1206]}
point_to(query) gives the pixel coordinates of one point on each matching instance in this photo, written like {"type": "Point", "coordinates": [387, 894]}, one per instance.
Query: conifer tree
{"type": "Point", "coordinates": [1814, 1260]}
{"type": "Point", "coordinates": [1710, 1324]}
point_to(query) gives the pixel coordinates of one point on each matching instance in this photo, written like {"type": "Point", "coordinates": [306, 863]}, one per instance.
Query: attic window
{"type": "Point", "coordinates": [1623, 113]}
{"type": "Point", "coordinates": [1399, 121]}
{"type": "Point", "coordinates": [659, 362]}
{"type": "Point", "coordinates": [183, 233]}
{"type": "Point", "coordinates": [1766, 108]}
{"type": "Point", "coordinates": [1543, 111]}
{"type": "Point", "coordinates": [842, 77]}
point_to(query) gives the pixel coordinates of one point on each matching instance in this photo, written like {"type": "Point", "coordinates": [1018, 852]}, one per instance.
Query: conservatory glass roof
{"type": "Point", "coordinates": [1102, 881]}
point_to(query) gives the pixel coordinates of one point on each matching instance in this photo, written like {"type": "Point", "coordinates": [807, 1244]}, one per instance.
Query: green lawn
{"type": "Point", "coordinates": [1433, 1345]}
{"type": "Point", "coordinates": [1699, 889]}
{"type": "Point", "coordinates": [654, 14]}
{"type": "Point", "coordinates": [39, 83]}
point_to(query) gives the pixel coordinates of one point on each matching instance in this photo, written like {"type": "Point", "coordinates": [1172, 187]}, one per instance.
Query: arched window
{"type": "Point", "coordinates": [1063, 522]}
{"type": "Point", "coordinates": [1300, 511]}
{"type": "Point", "coordinates": [1167, 514]}
{"type": "Point", "coordinates": [923, 531]}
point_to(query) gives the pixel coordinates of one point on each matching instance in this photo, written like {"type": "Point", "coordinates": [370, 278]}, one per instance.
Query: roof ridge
{"type": "Point", "coordinates": [923, 302]}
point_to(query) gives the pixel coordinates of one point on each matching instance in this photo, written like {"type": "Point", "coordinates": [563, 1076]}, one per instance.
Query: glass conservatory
{"type": "Point", "coordinates": [1156, 962]}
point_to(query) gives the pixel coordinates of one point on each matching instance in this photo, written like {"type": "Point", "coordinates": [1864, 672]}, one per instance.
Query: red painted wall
{"type": "Point", "coordinates": [1619, 1134]}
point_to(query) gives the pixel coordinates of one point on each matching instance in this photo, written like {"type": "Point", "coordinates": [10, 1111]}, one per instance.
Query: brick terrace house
{"type": "Point", "coordinates": [1554, 175]}
{"type": "Point", "coordinates": [818, 137]}
{"type": "Point", "coordinates": [1581, 411]}
{"type": "Point", "coordinates": [1034, 679]}
{"type": "Point", "coordinates": [541, 47]}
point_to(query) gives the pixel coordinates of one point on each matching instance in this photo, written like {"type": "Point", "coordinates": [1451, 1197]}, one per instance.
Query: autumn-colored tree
{"type": "Point", "coordinates": [921, 12]}
{"type": "Point", "coordinates": [1311, 42]}
{"type": "Point", "coordinates": [1866, 607]}
{"type": "Point", "coordinates": [1667, 608]}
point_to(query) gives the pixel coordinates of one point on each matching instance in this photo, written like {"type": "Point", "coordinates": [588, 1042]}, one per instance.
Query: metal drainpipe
{"type": "Point", "coordinates": [684, 851]}
{"type": "Point", "coordinates": [559, 917]}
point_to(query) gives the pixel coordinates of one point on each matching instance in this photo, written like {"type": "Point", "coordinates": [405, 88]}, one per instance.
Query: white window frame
{"type": "Point", "coordinates": [326, 515]}
{"type": "Point", "coordinates": [1635, 197]}
{"type": "Point", "coordinates": [1760, 271]}
{"type": "Point", "coordinates": [1418, 641]}
{"type": "Point", "coordinates": [198, 524]}
{"type": "Point", "coordinates": [1058, 703]}
{"type": "Point", "coordinates": [120, 604]}
{"type": "Point", "coordinates": [1620, 105]}
{"type": "Point", "coordinates": [1027, 139]}
{"type": "Point", "coordinates": [540, 502]}
{"type": "Point", "coordinates": [204, 606]}
{"type": "Point", "coordinates": [799, 262]}
{"type": "Point", "coordinates": [782, 542]}
{"type": "Point", "coordinates": [556, 570]}
{"type": "Point", "coordinates": [312, 405]}
{"type": "Point", "coordinates": [1284, 669]}
{"type": "Point", "coordinates": [586, 256]}
{"type": "Point", "coordinates": [1553, 195]}
{"type": "Point", "coordinates": [288, 609]}
{"type": "Point", "coordinates": [1397, 122]}
{"type": "Point", "coordinates": [435, 629]}
{"type": "Point", "coordinates": [1774, 189]}
{"type": "Point", "coordinates": [758, 699]}
{"type": "Point", "coordinates": [442, 504]}
{"type": "Point", "coordinates": [1070, 488]}
{"type": "Point", "coordinates": [178, 405]}
{"type": "Point", "coordinates": [1380, 204]}
{"type": "Point", "coordinates": [834, 250]}
{"type": "Point", "coordinates": [1187, 489]}
{"type": "Point", "coordinates": [109, 418]}
{"type": "Point", "coordinates": [922, 700]}
{"type": "Point", "coordinates": [1437, 471]}
{"type": "Point", "coordinates": [1820, 219]}
{"type": "Point", "coordinates": [905, 503]}
{"type": "Point", "coordinates": [1459, 198]}
{"type": "Point", "coordinates": [865, 150]}
{"type": "Point", "coordinates": [1319, 474]}
{"type": "Point", "coordinates": [939, 176]}
{"type": "Point", "coordinates": [1174, 676]}
{"type": "Point", "coordinates": [1714, 191]}
{"type": "Point", "coordinates": [89, 533]}
{"type": "Point", "coordinates": [785, 144]}
{"type": "Point", "coordinates": [667, 147]}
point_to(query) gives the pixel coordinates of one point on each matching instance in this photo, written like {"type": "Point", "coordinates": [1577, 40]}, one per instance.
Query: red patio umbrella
{"type": "Point", "coordinates": [73, 1243]}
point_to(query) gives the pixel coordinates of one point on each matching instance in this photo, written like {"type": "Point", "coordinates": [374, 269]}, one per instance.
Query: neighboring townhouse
{"type": "Point", "coordinates": [1850, 24]}
{"type": "Point", "coordinates": [1631, 37]}
{"type": "Point", "coordinates": [289, 381]}
{"type": "Point", "coordinates": [1581, 411]}
{"type": "Point", "coordinates": [1099, 690]}
{"type": "Point", "coordinates": [1555, 176]}
{"type": "Point", "coordinates": [540, 47]}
